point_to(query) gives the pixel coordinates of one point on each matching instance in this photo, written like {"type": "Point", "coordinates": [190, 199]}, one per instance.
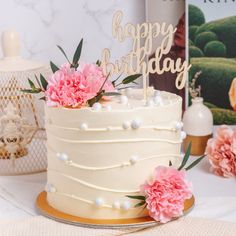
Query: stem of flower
{"type": "Point", "coordinates": [100, 90]}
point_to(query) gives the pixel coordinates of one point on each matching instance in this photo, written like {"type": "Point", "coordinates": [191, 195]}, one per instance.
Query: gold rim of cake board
{"type": "Point", "coordinates": [46, 210]}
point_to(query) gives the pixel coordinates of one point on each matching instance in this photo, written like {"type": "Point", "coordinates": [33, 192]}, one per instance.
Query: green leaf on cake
{"type": "Point", "coordinates": [33, 88]}
{"type": "Point", "coordinates": [111, 94]}
{"type": "Point", "coordinates": [54, 67]}
{"type": "Point", "coordinates": [37, 80]}
{"type": "Point", "coordinates": [43, 98]}
{"type": "Point", "coordinates": [95, 99]}
{"type": "Point", "coordinates": [140, 204]}
{"type": "Point", "coordinates": [195, 162]}
{"type": "Point", "coordinates": [138, 197]}
{"type": "Point", "coordinates": [63, 52]}
{"type": "Point", "coordinates": [134, 82]}
{"type": "Point", "coordinates": [31, 83]}
{"type": "Point", "coordinates": [31, 91]}
{"type": "Point", "coordinates": [126, 87]}
{"type": "Point", "coordinates": [77, 54]}
{"type": "Point", "coordinates": [98, 63]}
{"type": "Point", "coordinates": [44, 82]}
{"type": "Point", "coordinates": [114, 81]}
{"type": "Point", "coordinates": [186, 157]}
{"type": "Point", "coordinates": [130, 79]}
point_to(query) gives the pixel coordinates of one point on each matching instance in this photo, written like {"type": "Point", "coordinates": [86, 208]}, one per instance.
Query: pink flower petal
{"type": "Point", "coordinates": [70, 88]}
{"type": "Point", "coordinates": [166, 194]}
{"type": "Point", "coordinates": [221, 152]}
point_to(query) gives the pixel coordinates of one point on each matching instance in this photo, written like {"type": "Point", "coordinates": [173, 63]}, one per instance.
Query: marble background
{"type": "Point", "coordinates": [45, 23]}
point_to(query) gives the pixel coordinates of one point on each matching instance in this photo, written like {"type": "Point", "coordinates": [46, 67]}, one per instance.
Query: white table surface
{"type": "Point", "coordinates": [215, 196]}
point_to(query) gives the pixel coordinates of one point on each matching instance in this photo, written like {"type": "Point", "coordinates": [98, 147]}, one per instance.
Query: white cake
{"type": "Point", "coordinates": [97, 156]}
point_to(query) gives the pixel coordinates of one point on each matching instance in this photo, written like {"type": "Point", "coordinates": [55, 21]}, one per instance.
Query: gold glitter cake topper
{"type": "Point", "coordinates": [136, 61]}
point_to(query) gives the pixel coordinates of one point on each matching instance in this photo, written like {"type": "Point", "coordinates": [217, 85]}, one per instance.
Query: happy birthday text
{"type": "Point", "coordinates": [136, 61]}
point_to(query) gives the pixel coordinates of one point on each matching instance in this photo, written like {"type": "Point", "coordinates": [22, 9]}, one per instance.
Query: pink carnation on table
{"type": "Point", "coordinates": [166, 193]}
{"type": "Point", "coordinates": [67, 87]}
{"type": "Point", "coordinates": [221, 152]}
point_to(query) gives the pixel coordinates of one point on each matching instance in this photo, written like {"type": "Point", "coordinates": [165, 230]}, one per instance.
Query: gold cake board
{"type": "Point", "coordinates": [46, 210]}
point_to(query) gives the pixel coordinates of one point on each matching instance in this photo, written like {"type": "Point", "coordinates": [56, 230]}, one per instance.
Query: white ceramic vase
{"type": "Point", "coordinates": [198, 125]}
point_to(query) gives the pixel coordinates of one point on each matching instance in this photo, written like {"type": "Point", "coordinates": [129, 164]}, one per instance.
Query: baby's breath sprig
{"type": "Point", "coordinates": [193, 90]}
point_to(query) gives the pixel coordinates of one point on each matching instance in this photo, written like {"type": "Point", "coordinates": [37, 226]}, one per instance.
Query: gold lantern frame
{"type": "Point", "coordinates": [30, 157]}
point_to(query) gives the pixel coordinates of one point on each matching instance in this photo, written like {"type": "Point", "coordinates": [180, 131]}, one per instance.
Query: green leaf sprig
{"type": "Point", "coordinates": [138, 197]}
{"type": "Point", "coordinates": [127, 80]}
{"type": "Point", "coordinates": [42, 86]}
{"type": "Point", "coordinates": [186, 158]}
{"type": "Point", "coordinates": [101, 92]}
{"type": "Point", "coordinates": [76, 57]}
{"type": "Point", "coordinates": [74, 63]}
{"type": "Point", "coordinates": [42, 82]}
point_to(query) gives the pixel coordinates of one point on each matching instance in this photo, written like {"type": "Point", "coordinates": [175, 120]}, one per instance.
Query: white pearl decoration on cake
{"type": "Point", "coordinates": [158, 101]}
{"type": "Point", "coordinates": [150, 103]}
{"type": "Point", "coordinates": [83, 126]}
{"type": "Point", "coordinates": [116, 205]}
{"type": "Point", "coordinates": [136, 124]}
{"type": "Point", "coordinates": [123, 99]}
{"type": "Point", "coordinates": [134, 159]}
{"type": "Point", "coordinates": [183, 135]}
{"type": "Point", "coordinates": [109, 128]}
{"type": "Point", "coordinates": [178, 125]}
{"type": "Point", "coordinates": [126, 205]}
{"type": "Point", "coordinates": [157, 93]}
{"type": "Point", "coordinates": [97, 106]}
{"type": "Point", "coordinates": [129, 106]}
{"type": "Point", "coordinates": [99, 202]}
{"type": "Point", "coordinates": [128, 91]}
{"type": "Point", "coordinates": [62, 156]}
{"type": "Point", "coordinates": [107, 107]}
{"type": "Point", "coordinates": [50, 188]}
{"type": "Point", "coordinates": [123, 164]}
{"type": "Point", "coordinates": [126, 125]}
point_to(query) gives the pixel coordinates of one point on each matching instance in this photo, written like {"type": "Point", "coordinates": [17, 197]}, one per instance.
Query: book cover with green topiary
{"type": "Point", "coordinates": [212, 50]}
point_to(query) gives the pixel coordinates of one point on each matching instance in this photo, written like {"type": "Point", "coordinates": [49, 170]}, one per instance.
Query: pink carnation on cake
{"type": "Point", "coordinates": [166, 193]}
{"type": "Point", "coordinates": [95, 76]}
{"type": "Point", "coordinates": [221, 152]}
{"type": "Point", "coordinates": [67, 87]}
{"type": "Point", "coordinates": [73, 88]}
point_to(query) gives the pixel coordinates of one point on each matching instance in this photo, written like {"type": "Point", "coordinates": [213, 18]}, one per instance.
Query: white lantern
{"type": "Point", "coordinates": [22, 133]}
